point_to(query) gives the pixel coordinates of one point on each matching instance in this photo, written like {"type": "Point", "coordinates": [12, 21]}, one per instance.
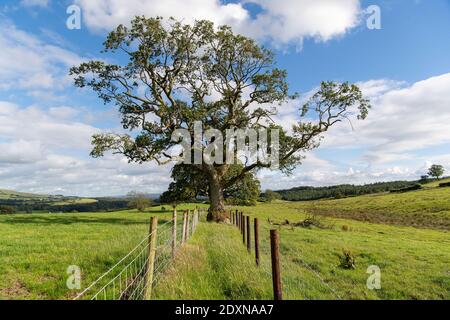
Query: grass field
{"type": "Point", "coordinates": [36, 249]}
{"type": "Point", "coordinates": [74, 201]}
{"type": "Point", "coordinates": [9, 194]}
{"type": "Point", "coordinates": [414, 261]}
{"type": "Point", "coordinates": [429, 208]}
{"type": "Point", "coordinates": [436, 183]}
{"type": "Point", "coordinates": [31, 197]}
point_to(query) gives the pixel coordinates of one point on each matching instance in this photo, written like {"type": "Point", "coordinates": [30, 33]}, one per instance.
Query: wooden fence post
{"type": "Point", "coordinates": [152, 238]}
{"type": "Point", "coordinates": [193, 223]}
{"type": "Point", "coordinates": [276, 273]}
{"type": "Point", "coordinates": [243, 229]}
{"type": "Point", "coordinates": [249, 241]}
{"type": "Point", "coordinates": [183, 235]}
{"type": "Point", "coordinates": [240, 221]}
{"type": "Point", "coordinates": [188, 235]}
{"type": "Point", "coordinates": [195, 219]}
{"type": "Point", "coordinates": [256, 241]}
{"type": "Point", "coordinates": [174, 232]}
{"type": "Point", "coordinates": [236, 221]}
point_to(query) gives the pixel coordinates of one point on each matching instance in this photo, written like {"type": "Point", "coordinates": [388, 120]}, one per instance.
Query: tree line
{"type": "Point", "coordinates": [340, 191]}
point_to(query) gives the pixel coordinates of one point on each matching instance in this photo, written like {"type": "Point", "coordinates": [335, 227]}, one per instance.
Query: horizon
{"type": "Point", "coordinates": [262, 191]}
{"type": "Point", "coordinates": [46, 123]}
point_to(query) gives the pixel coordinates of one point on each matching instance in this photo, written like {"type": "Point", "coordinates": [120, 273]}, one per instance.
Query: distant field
{"type": "Point", "coordinates": [75, 201]}
{"type": "Point", "coordinates": [429, 208]}
{"type": "Point", "coordinates": [437, 182]}
{"type": "Point", "coordinates": [23, 197]}
{"type": "Point", "coordinates": [8, 194]}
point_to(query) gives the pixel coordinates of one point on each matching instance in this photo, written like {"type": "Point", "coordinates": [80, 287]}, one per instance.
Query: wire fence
{"type": "Point", "coordinates": [134, 276]}
{"type": "Point", "coordinates": [262, 249]}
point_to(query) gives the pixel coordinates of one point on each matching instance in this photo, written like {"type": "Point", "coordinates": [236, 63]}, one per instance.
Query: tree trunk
{"type": "Point", "coordinates": [216, 211]}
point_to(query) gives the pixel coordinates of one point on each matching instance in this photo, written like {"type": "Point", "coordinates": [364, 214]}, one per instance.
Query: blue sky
{"type": "Point", "coordinates": [404, 68]}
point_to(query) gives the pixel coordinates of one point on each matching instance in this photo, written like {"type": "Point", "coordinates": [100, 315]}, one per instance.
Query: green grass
{"type": "Point", "coordinates": [415, 263]}
{"type": "Point", "coordinates": [406, 235]}
{"type": "Point", "coordinates": [74, 201]}
{"type": "Point", "coordinates": [214, 265]}
{"type": "Point", "coordinates": [31, 197]}
{"type": "Point", "coordinates": [36, 249]}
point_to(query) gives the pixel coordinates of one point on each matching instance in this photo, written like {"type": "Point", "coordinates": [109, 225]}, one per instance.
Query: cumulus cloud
{"type": "Point", "coordinates": [30, 64]}
{"type": "Point", "coordinates": [294, 20]}
{"type": "Point", "coordinates": [70, 175]}
{"type": "Point", "coordinates": [392, 144]}
{"type": "Point", "coordinates": [404, 119]}
{"type": "Point", "coordinates": [46, 151]}
{"type": "Point", "coordinates": [281, 22]}
{"type": "Point", "coordinates": [47, 127]}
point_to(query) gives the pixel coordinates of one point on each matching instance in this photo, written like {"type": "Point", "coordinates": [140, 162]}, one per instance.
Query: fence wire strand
{"type": "Point", "coordinates": [287, 282]}
{"type": "Point", "coordinates": [128, 279]}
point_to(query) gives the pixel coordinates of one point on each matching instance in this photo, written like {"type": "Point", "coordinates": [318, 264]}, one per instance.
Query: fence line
{"type": "Point", "coordinates": [134, 276]}
{"type": "Point", "coordinates": [242, 222]}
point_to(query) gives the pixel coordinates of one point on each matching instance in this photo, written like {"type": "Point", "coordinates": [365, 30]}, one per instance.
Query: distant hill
{"type": "Point", "coordinates": [10, 194]}
{"type": "Point", "coordinates": [307, 193]}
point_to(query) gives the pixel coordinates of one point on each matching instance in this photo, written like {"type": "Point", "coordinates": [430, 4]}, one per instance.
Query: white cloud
{"type": "Point", "coordinates": [48, 128]}
{"type": "Point", "coordinates": [403, 121]}
{"type": "Point", "coordinates": [20, 151]}
{"type": "Point", "coordinates": [46, 151]}
{"type": "Point", "coordinates": [294, 20]}
{"type": "Point", "coordinates": [281, 22]}
{"type": "Point", "coordinates": [28, 63]}
{"type": "Point", "coordinates": [391, 144]}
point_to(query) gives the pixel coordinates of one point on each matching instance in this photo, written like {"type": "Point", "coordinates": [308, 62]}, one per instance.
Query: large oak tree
{"type": "Point", "coordinates": [176, 74]}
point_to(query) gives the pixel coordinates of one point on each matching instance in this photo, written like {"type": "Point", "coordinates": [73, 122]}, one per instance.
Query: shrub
{"type": "Point", "coordinates": [444, 185]}
{"type": "Point", "coordinates": [7, 209]}
{"type": "Point", "coordinates": [348, 260]}
{"type": "Point", "coordinates": [345, 228]}
{"type": "Point", "coordinates": [414, 187]}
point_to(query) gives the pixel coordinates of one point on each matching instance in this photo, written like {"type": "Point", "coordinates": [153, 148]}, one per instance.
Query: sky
{"type": "Point", "coordinates": [46, 123]}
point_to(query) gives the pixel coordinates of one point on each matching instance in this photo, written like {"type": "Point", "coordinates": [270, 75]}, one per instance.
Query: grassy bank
{"type": "Point", "coordinates": [428, 208]}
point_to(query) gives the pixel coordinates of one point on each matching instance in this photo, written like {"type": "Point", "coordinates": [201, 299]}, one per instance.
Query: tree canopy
{"type": "Point", "coordinates": [436, 171]}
